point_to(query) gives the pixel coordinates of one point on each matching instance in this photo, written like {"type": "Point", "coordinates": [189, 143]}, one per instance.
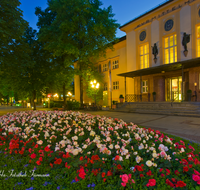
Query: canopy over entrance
{"type": "Point", "coordinates": [163, 68]}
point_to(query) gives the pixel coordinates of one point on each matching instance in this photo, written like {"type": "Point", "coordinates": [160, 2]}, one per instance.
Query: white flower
{"type": "Point", "coordinates": [84, 146]}
{"type": "Point", "coordinates": [135, 153]}
{"type": "Point", "coordinates": [154, 155]}
{"type": "Point", "coordinates": [111, 146]}
{"type": "Point", "coordinates": [92, 133]}
{"type": "Point", "coordinates": [138, 159]}
{"type": "Point", "coordinates": [149, 163]}
{"type": "Point", "coordinates": [75, 152]}
{"type": "Point", "coordinates": [141, 146]}
{"type": "Point", "coordinates": [40, 142]}
{"type": "Point", "coordinates": [117, 146]}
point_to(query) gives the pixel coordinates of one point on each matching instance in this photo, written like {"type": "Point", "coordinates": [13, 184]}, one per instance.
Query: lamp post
{"type": "Point", "coordinates": [95, 86]}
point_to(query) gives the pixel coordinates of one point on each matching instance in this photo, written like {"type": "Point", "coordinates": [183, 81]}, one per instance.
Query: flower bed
{"type": "Point", "coordinates": [72, 150]}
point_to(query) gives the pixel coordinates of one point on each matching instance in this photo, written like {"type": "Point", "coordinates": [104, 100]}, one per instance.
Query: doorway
{"type": "Point", "coordinates": [174, 90]}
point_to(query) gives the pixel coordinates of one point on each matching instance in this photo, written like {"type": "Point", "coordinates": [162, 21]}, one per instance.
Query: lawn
{"type": "Point", "coordinates": [73, 150]}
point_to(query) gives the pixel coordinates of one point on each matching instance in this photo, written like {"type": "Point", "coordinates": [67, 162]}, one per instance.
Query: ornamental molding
{"type": "Point", "coordinates": [164, 13]}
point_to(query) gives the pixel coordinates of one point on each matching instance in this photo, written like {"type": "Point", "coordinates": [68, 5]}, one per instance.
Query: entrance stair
{"type": "Point", "coordinates": [165, 108]}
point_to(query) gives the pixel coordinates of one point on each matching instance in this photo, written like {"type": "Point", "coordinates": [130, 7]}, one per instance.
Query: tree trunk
{"type": "Point", "coordinates": [64, 97]}
{"type": "Point", "coordinates": [81, 91]}
{"type": "Point", "coordinates": [34, 99]}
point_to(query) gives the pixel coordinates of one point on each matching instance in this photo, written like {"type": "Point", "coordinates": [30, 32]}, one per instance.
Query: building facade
{"type": "Point", "coordinates": [160, 54]}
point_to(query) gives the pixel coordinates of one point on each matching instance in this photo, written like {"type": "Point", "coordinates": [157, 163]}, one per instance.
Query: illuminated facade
{"type": "Point", "coordinates": [160, 53]}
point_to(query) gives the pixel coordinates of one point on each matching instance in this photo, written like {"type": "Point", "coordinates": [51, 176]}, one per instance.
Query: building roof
{"type": "Point", "coordinates": [163, 68]}
{"type": "Point", "coordinates": [144, 14]}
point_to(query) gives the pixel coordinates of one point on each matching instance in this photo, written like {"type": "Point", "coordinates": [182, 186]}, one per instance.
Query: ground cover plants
{"type": "Point", "coordinates": [73, 150]}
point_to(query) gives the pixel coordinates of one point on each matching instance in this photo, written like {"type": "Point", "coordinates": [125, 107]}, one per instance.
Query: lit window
{"type": "Point", "coordinates": [115, 64]}
{"type": "Point", "coordinates": [144, 56]}
{"type": "Point", "coordinates": [105, 86]}
{"type": "Point", "coordinates": [115, 85]}
{"type": "Point", "coordinates": [105, 67]}
{"type": "Point", "coordinates": [144, 86]}
{"type": "Point", "coordinates": [170, 49]}
{"type": "Point", "coordinates": [198, 41]}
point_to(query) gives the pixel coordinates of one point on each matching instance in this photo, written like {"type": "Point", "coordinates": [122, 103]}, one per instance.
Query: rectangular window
{"type": "Point", "coordinates": [115, 64]}
{"type": "Point", "coordinates": [105, 67]}
{"type": "Point", "coordinates": [144, 86]}
{"type": "Point", "coordinates": [116, 85]}
{"type": "Point", "coordinates": [170, 49]}
{"type": "Point", "coordinates": [198, 41]}
{"type": "Point", "coordinates": [144, 56]}
{"type": "Point", "coordinates": [105, 87]}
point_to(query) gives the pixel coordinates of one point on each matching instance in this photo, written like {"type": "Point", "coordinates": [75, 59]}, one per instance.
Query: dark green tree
{"type": "Point", "coordinates": [78, 31]}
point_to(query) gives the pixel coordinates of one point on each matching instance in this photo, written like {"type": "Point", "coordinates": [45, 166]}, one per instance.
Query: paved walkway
{"type": "Point", "coordinates": [186, 127]}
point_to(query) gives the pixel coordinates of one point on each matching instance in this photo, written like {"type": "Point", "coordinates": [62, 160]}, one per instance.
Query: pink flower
{"type": "Point", "coordinates": [196, 172]}
{"type": "Point", "coordinates": [129, 176]}
{"type": "Point", "coordinates": [123, 184]}
{"type": "Point", "coordinates": [124, 178]}
{"type": "Point", "coordinates": [195, 177]}
{"type": "Point", "coordinates": [133, 181]}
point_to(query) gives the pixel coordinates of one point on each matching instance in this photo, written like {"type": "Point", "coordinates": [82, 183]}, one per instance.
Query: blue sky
{"type": "Point", "coordinates": [124, 10]}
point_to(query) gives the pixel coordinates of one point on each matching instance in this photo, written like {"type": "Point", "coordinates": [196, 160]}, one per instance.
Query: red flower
{"type": "Point", "coordinates": [180, 184]}
{"type": "Point", "coordinates": [152, 182]}
{"type": "Point", "coordinates": [58, 161]}
{"type": "Point", "coordinates": [168, 171]}
{"type": "Point", "coordinates": [38, 162]}
{"type": "Point", "coordinates": [168, 182]}
{"type": "Point", "coordinates": [21, 152]}
{"type": "Point", "coordinates": [51, 165]}
{"type": "Point", "coordinates": [33, 155]}
{"type": "Point", "coordinates": [81, 158]}
{"type": "Point", "coordinates": [119, 167]}
{"type": "Point", "coordinates": [196, 161]}
{"type": "Point", "coordinates": [40, 159]}
{"type": "Point", "coordinates": [185, 169]}
{"type": "Point", "coordinates": [190, 165]}
{"type": "Point", "coordinates": [139, 168]}
{"type": "Point", "coordinates": [47, 149]}
{"type": "Point", "coordinates": [141, 175]}
{"type": "Point", "coordinates": [109, 173]}
{"type": "Point", "coordinates": [117, 157]}
{"type": "Point", "coordinates": [162, 175]}
{"type": "Point", "coordinates": [176, 172]}
{"type": "Point", "coordinates": [160, 170]}
{"type": "Point", "coordinates": [103, 174]}
{"type": "Point", "coordinates": [104, 179]}
{"type": "Point", "coordinates": [149, 173]}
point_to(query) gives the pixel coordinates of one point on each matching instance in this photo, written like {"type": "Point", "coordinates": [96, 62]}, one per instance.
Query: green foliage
{"type": "Point", "coordinates": [153, 93]}
{"type": "Point", "coordinates": [189, 91]}
{"type": "Point", "coordinates": [73, 105]}
{"type": "Point", "coordinates": [78, 31]}
{"type": "Point", "coordinates": [121, 96]}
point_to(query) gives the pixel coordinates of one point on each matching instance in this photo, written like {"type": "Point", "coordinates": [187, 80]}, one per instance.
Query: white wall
{"type": "Point", "coordinates": [155, 39]}
{"type": "Point", "coordinates": [185, 26]}
{"type": "Point", "coordinates": [131, 51]}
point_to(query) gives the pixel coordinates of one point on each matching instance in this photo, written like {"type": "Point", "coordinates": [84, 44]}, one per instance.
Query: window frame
{"type": "Point", "coordinates": [115, 85]}
{"type": "Point", "coordinates": [197, 54]}
{"type": "Point", "coordinates": [114, 63]}
{"type": "Point", "coordinates": [145, 82]}
{"type": "Point", "coordinates": [169, 47]}
{"type": "Point", "coordinates": [105, 87]}
{"type": "Point", "coordinates": [105, 67]}
{"type": "Point", "coordinates": [142, 65]}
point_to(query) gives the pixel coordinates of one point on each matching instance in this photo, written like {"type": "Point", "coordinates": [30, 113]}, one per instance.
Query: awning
{"type": "Point", "coordinates": [163, 68]}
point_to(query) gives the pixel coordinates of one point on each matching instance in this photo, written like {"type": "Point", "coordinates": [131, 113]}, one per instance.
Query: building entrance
{"type": "Point", "coordinates": [174, 89]}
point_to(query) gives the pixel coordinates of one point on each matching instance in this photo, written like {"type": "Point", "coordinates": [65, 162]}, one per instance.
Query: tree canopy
{"type": "Point", "coordinates": [77, 30]}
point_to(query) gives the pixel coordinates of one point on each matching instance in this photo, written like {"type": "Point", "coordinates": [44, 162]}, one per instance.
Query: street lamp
{"type": "Point", "coordinates": [95, 86]}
